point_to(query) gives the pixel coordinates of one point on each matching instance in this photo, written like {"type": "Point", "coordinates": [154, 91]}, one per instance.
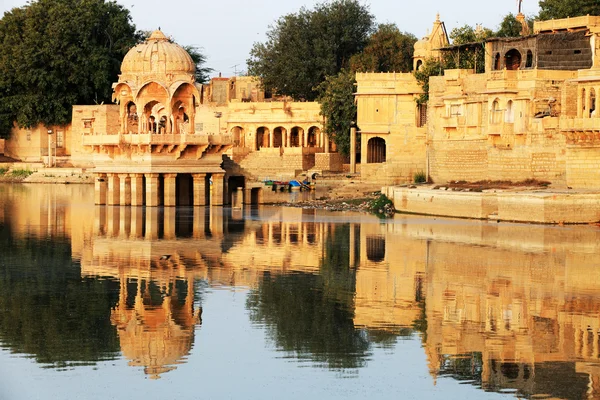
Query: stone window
{"type": "Point", "coordinates": [529, 61]}
{"type": "Point", "coordinates": [496, 114]}
{"type": "Point", "coordinates": [509, 114]}
{"type": "Point", "coordinates": [421, 115]}
{"type": "Point", "coordinates": [497, 62]}
{"type": "Point", "coordinates": [60, 139]}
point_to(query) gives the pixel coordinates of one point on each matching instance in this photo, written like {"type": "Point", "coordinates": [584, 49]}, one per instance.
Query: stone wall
{"type": "Point", "coordinates": [583, 167]}
{"type": "Point", "coordinates": [329, 162]}
{"type": "Point", "coordinates": [564, 51]}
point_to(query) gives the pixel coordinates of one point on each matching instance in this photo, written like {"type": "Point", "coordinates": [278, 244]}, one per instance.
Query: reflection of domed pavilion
{"type": "Point", "coordinates": [148, 150]}
{"type": "Point", "coordinates": [155, 321]}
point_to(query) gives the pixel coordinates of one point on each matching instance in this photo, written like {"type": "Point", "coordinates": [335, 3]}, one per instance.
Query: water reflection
{"type": "Point", "coordinates": [507, 308]}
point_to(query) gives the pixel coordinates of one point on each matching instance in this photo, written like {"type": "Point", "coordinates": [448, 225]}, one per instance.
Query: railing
{"type": "Point", "coordinates": [156, 139]}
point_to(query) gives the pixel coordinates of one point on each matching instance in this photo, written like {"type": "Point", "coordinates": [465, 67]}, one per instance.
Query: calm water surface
{"type": "Point", "coordinates": [132, 303]}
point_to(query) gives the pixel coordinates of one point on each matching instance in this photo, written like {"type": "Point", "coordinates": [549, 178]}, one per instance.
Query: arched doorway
{"type": "Point", "coordinates": [262, 137]}
{"type": "Point", "coordinates": [278, 135]}
{"type": "Point", "coordinates": [376, 150]}
{"type": "Point", "coordinates": [296, 137]}
{"type": "Point", "coordinates": [313, 135]}
{"type": "Point", "coordinates": [238, 136]}
{"type": "Point", "coordinates": [512, 60]}
{"type": "Point", "coordinates": [529, 60]}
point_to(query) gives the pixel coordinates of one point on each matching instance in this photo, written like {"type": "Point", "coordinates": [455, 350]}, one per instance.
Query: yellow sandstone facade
{"type": "Point", "coordinates": [530, 115]}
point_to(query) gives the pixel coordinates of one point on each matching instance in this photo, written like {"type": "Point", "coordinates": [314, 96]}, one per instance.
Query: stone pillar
{"type": "Point", "coordinates": [124, 190]}
{"type": "Point", "coordinates": [170, 190]}
{"type": "Point", "coordinates": [113, 190]}
{"type": "Point", "coordinates": [289, 138]}
{"type": "Point", "coordinates": [304, 138]}
{"type": "Point", "coordinates": [353, 150]}
{"type": "Point", "coordinates": [113, 219]}
{"type": "Point", "coordinates": [271, 138]}
{"type": "Point", "coordinates": [580, 102]}
{"type": "Point", "coordinates": [169, 223]}
{"type": "Point", "coordinates": [260, 199]}
{"type": "Point", "coordinates": [152, 223]}
{"type": "Point", "coordinates": [137, 222]}
{"type": "Point", "coordinates": [100, 225]}
{"type": "Point", "coordinates": [199, 222]}
{"type": "Point", "coordinates": [124, 222]}
{"type": "Point", "coordinates": [199, 189]}
{"type": "Point", "coordinates": [326, 139]}
{"type": "Point", "coordinates": [137, 189]}
{"type": "Point", "coordinates": [217, 190]}
{"type": "Point", "coordinates": [239, 197]}
{"type": "Point", "coordinates": [587, 104]}
{"type": "Point", "coordinates": [152, 199]}
{"type": "Point", "coordinates": [352, 262]}
{"type": "Point", "coordinates": [248, 196]}
{"type": "Point", "coordinates": [100, 189]}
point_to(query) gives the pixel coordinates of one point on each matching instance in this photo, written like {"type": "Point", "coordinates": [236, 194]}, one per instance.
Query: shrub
{"type": "Point", "coordinates": [420, 177]}
{"type": "Point", "coordinates": [3, 171]}
{"type": "Point", "coordinates": [21, 173]}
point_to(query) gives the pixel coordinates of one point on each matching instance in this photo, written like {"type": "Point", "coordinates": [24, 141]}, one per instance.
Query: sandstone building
{"type": "Point", "coordinates": [529, 115]}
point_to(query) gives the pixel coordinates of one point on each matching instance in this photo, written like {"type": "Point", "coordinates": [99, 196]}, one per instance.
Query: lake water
{"type": "Point", "coordinates": [270, 302]}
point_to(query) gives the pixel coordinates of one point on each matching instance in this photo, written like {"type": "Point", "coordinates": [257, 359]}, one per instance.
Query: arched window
{"type": "Point", "coordinates": [509, 113]}
{"type": "Point", "coordinates": [592, 102]}
{"type": "Point", "coordinates": [376, 150]}
{"type": "Point", "coordinates": [496, 113]}
{"type": "Point", "coordinates": [512, 60]}
{"type": "Point", "coordinates": [419, 64]}
{"type": "Point", "coordinates": [583, 101]}
{"type": "Point", "coordinates": [279, 134]}
{"type": "Point", "coordinates": [497, 62]}
{"type": "Point", "coordinates": [529, 62]}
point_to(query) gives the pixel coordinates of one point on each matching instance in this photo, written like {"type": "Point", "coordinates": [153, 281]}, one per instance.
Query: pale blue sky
{"type": "Point", "coordinates": [226, 29]}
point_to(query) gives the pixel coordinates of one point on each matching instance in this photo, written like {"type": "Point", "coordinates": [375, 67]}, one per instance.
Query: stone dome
{"type": "Point", "coordinates": [157, 55]}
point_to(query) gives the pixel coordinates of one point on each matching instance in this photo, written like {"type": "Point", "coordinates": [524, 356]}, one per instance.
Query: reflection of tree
{"type": "Point", "coordinates": [47, 310]}
{"type": "Point", "coordinates": [312, 315]}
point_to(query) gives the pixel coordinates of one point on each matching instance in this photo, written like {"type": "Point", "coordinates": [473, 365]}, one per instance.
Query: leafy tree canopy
{"type": "Point", "coordinates": [305, 47]}
{"type": "Point", "coordinates": [388, 50]}
{"type": "Point", "coordinates": [202, 72]}
{"type": "Point", "coordinates": [56, 53]}
{"type": "Point", "coordinates": [550, 9]}
{"type": "Point", "coordinates": [510, 27]}
{"type": "Point", "coordinates": [336, 95]}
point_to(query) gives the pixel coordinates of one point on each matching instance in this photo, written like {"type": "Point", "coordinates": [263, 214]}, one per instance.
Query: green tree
{"type": "Point", "coordinates": [430, 67]}
{"type": "Point", "coordinates": [388, 50]}
{"type": "Point", "coordinates": [553, 9]}
{"type": "Point", "coordinates": [510, 27]}
{"type": "Point", "coordinates": [336, 96]}
{"type": "Point", "coordinates": [470, 50]}
{"type": "Point", "coordinates": [56, 53]}
{"type": "Point", "coordinates": [305, 47]}
{"type": "Point", "coordinates": [202, 72]}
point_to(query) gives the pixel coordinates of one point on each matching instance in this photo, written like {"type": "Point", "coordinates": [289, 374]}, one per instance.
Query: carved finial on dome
{"type": "Point", "coordinates": [158, 35]}
{"type": "Point", "coordinates": [437, 17]}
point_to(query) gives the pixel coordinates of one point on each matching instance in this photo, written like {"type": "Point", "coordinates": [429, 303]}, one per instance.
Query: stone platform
{"type": "Point", "coordinates": [538, 206]}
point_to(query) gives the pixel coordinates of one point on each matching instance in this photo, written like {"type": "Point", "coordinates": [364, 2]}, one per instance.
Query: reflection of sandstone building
{"type": "Point", "coordinates": [531, 114]}
{"type": "Point", "coordinates": [496, 293]}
